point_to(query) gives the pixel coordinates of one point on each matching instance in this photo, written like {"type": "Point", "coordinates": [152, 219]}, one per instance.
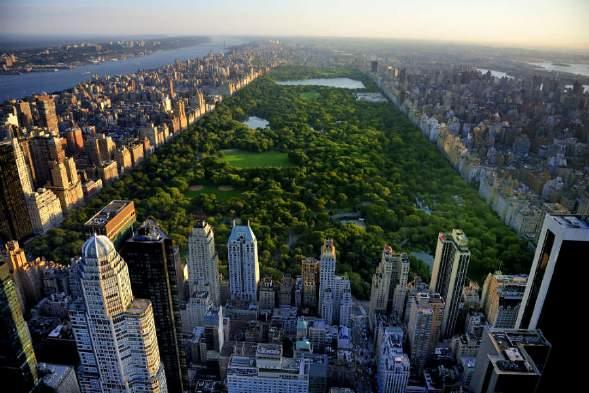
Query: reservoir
{"type": "Point", "coordinates": [496, 74]}
{"type": "Point", "coordinates": [256, 122]}
{"type": "Point", "coordinates": [341, 83]}
{"type": "Point", "coordinates": [578, 69]}
{"type": "Point", "coordinates": [23, 85]}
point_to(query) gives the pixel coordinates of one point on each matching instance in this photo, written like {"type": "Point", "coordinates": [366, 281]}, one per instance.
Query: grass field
{"type": "Point", "coordinates": [222, 193]}
{"type": "Point", "coordinates": [245, 159]}
{"type": "Point", "coordinates": [310, 95]}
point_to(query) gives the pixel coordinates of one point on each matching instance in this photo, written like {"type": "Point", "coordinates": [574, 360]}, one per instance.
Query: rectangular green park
{"type": "Point", "coordinates": [247, 160]}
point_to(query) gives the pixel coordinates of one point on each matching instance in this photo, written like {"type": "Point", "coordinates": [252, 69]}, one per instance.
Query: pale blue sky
{"type": "Point", "coordinates": [549, 23]}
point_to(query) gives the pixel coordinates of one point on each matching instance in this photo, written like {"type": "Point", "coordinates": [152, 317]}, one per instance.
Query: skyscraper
{"type": "Point", "coordinates": [449, 274]}
{"type": "Point", "coordinates": [310, 273]}
{"type": "Point", "coordinates": [244, 270]}
{"type": "Point", "coordinates": [152, 261]}
{"type": "Point", "coordinates": [65, 183]}
{"type": "Point", "coordinates": [510, 361]}
{"type": "Point", "coordinates": [393, 367]}
{"type": "Point", "coordinates": [392, 271]}
{"type": "Point", "coordinates": [15, 184]}
{"type": "Point", "coordinates": [25, 116]}
{"type": "Point", "coordinates": [47, 113]}
{"type": "Point", "coordinates": [115, 333]}
{"type": "Point", "coordinates": [425, 312]}
{"type": "Point", "coordinates": [553, 281]}
{"type": "Point", "coordinates": [18, 364]}
{"type": "Point", "coordinates": [501, 298]}
{"type": "Point", "coordinates": [343, 301]}
{"type": "Point", "coordinates": [45, 149]}
{"type": "Point", "coordinates": [203, 262]}
{"type": "Point", "coordinates": [327, 280]}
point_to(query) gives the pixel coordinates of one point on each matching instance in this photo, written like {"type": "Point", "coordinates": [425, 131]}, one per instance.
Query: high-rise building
{"type": "Point", "coordinates": [65, 183]}
{"type": "Point", "coordinates": [137, 152]}
{"type": "Point", "coordinates": [285, 290]}
{"type": "Point", "coordinates": [267, 372]}
{"type": "Point", "coordinates": [449, 275]}
{"type": "Point", "coordinates": [18, 364]}
{"type": "Point", "coordinates": [181, 112]}
{"type": "Point", "coordinates": [553, 281]}
{"type": "Point", "coordinates": [44, 210]}
{"type": "Point", "coordinates": [327, 280]}
{"type": "Point", "coordinates": [114, 220]}
{"type": "Point", "coordinates": [425, 311]}
{"type": "Point", "coordinates": [244, 270]}
{"type": "Point", "coordinates": [100, 148]}
{"type": "Point", "coordinates": [501, 298]}
{"type": "Point", "coordinates": [47, 113]}
{"type": "Point", "coordinates": [203, 262]}
{"type": "Point", "coordinates": [115, 332]}
{"type": "Point", "coordinates": [152, 260]}
{"type": "Point", "coordinates": [197, 306]}
{"type": "Point", "coordinates": [45, 149]}
{"type": "Point", "coordinates": [393, 366]}
{"type": "Point", "coordinates": [343, 301]}
{"type": "Point", "coordinates": [510, 361]}
{"type": "Point", "coordinates": [108, 171]}
{"type": "Point", "coordinates": [123, 159]}
{"type": "Point", "coordinates": [75, 140]}
{"type": "Point", "coordinates": [267, 300]}
{"type": "Point", "coordinates": [15, 184]}
{"type": "Point", "coordinates": [392, 271]}
{"type": "Point", "coordinates": [310, 273]}
{"type": "Point", "coordinates": [25, 116]}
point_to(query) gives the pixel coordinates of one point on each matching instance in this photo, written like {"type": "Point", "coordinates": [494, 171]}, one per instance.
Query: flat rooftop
{"type": "Point", "coordinates": [108, 212]}
{"type": "Point", "coordinates": [513, 345]}
{"type": "Point", "coordinates": [572, 221]}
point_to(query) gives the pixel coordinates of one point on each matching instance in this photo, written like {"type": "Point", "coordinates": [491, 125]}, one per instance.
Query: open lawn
{"type": "Point", "coordinates": [245, 159]}
{"type": "Point", "coordinates": [310, 95]}
{"type": "Point", "coordinates": [222, 193]}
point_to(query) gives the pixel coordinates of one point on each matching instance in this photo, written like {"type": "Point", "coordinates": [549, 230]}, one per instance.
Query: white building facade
{"type": "Point", "coordinates": [244, 269]}
{"type": "Point", "coordinates": [115, 333]}
{"type": "Point", "coordinates": [203, 262]}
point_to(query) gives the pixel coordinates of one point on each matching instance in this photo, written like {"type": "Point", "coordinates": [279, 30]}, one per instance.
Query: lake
{"type": "Point", "coordinates": [256, 122]}
{"type": "Point", "coordinates": [578, 69]}
{"type": "Point", "coordinates": [496, 74]}
{"type": "Point", "coordinates": [341, 83]}
{"type": "Point", "coordinates": [23, 85]}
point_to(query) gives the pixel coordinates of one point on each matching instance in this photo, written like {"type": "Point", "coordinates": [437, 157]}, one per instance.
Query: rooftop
{"type": "Point", "coordinates": [572, 221]}
{"type": "Point", "coordinates": [242, 232]}
{"type": "Point", "coordinates": [107, 213]}
{"type": "Point", "coordinates": [513, 346]}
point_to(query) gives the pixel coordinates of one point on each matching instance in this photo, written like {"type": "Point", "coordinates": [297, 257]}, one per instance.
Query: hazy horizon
{"type": "Point", "coordinates": [543, 24]}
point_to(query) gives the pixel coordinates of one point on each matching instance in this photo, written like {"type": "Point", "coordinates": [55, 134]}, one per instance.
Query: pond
{"type": "Point", "coordinates": [341, 83]}
{"type": "Point", "coordinates": [256, 122]}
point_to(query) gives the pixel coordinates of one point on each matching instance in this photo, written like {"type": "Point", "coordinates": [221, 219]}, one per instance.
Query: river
{"type": "Point", "coordinates": [23, 85]}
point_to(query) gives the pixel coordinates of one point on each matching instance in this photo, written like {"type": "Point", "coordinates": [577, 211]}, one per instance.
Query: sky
{"type": "Point", "coordinates": [525, 23]}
